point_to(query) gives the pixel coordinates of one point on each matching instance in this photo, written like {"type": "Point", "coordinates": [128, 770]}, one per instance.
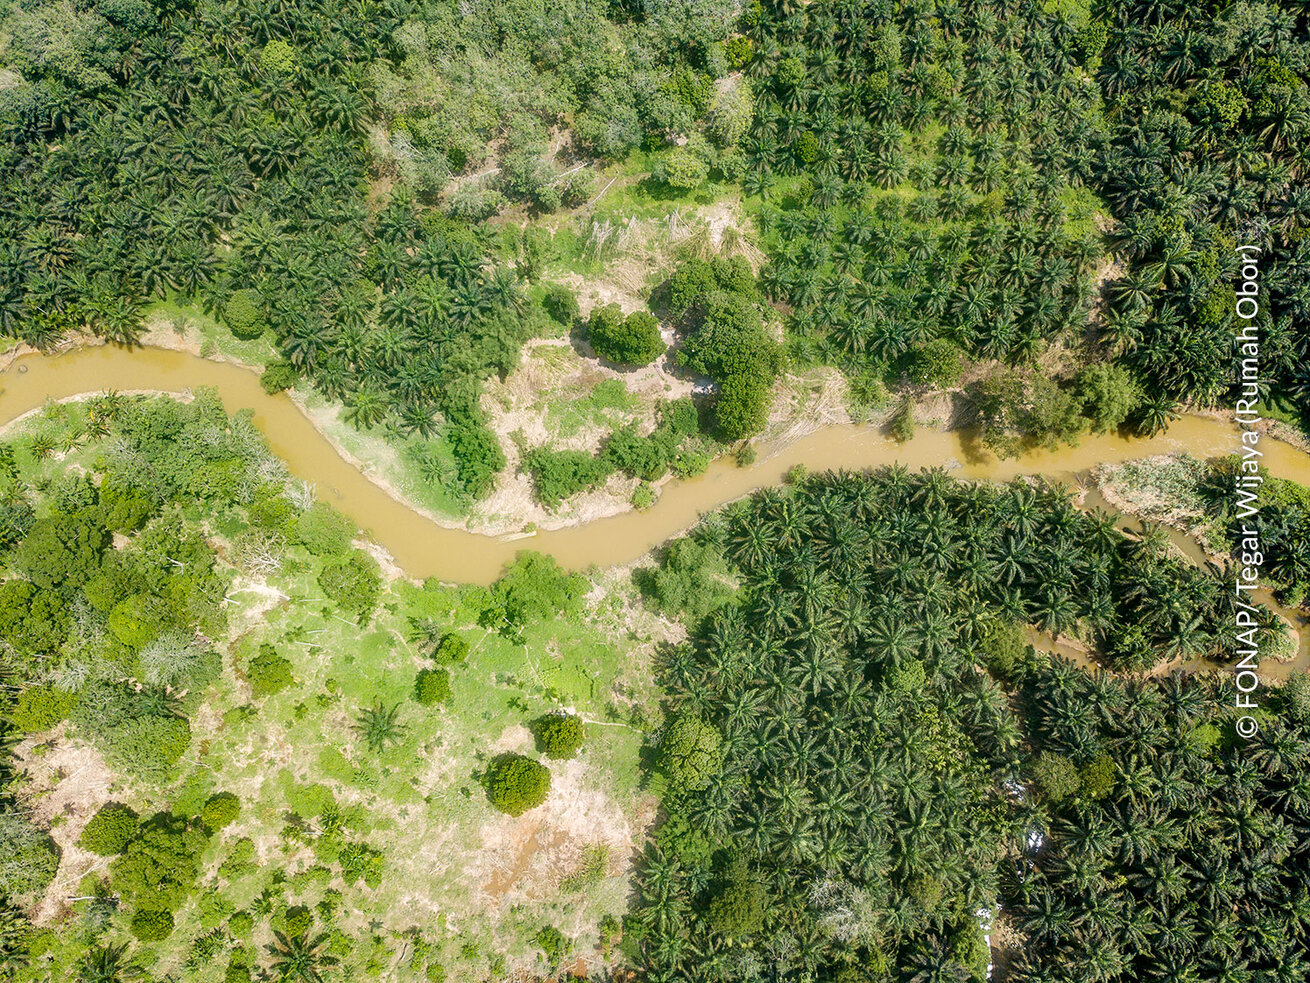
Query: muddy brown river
{"type": "Point", "coordinates": [425, 548]}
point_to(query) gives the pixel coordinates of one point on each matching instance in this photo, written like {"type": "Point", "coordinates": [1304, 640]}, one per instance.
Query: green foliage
{"type": "Point", "coordinates": [1057, 776]}
{"type": "Point", "coordinates": [159, 866]}
{"type": "Point", "coordinates": [516, 784]}
{"type": "Point", "coordinates": [39, 708]}
{"type": "Point", "coordinates": [680, 169]}
{"type": "Point", "coordinates": [278, 57]}
{"type": "Point", "coordinates": [353, 584]}
{"type": "Point", "coordinates": [691, 581]}
{"type": "Point", "coordinates": [244, 312]}
{"type": "Point", "coordinates": [552, 943]}
{"type": "Point", "coordinates": [432, 686]}
{"type": "Point", "coordinates": [559, 735]}
{"type": "Point", "coordinates": [452, 649]}
{"type": "Point", "coordinates": [268, 673]}
{"type": "Point", "coordinates": [221, 809]}
{"type": "Point", "coordinates": [901, 423]}
{"type": "Point", "coordinates": [324, 531]}
{"type": "Point", "coordinates": [561, 303]}
{"type": "Point", "coordinates": [150, 925]}
{"type": "Point", "coordinates": [557, 475]}
{"type": "Point", "coordinates": [1109, 395]}
{"type": "Point", "coordinates": [631, 340]}
{"type": "Point", "coordinates": [63, 550]}
{"type": "Point", "coordinates": [278, 376]}
{"type": "Point", "coordinates": [28, 857]}
{"type": "Point", "coordinates": [535, 588]}
{"type": "Point", "coordinates": [936, 364]}
{"type": "Point", "coordinates": [109, 830]}
{"type": "Point", "coordinates": [689, 753]}
{"type": "Point", "coordinates": [739, 902]}
{"type": "Point", "coordinates": [137, 729]}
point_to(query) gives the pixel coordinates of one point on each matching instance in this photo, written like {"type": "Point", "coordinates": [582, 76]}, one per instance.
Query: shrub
{"type": "Point", "coordinates": [244, 312]}
{"type": "Point", "coordinates": [691, 581]}
{"type": "Point", "coordinates": [516, 784]}
{"type": "Point", "coordinates": [109, 830]}
{"type": "Point", "coordinates": [137, 620]}
{"type": "Point", "coordinates": [278, 376]}
{"type": "Point", "coordinates": [631, 340]}
{"type": "Point", "coordinates": [324, 531]}
{"type": "Point", "coordinates": [40, 708]}
{"type": "Point", "coordinates": [937, 363]}
{"type": "Point", "coordinates": [159, 865]}
{"type": "Point", "coordinates": [28, 856]}
{"type": "Point", "coordinates": [221, 809]}
{"type": "Point", "coordinates": [353, 584]}
{"type": "Point", "coordinates": [268, 672]}
{"type": "Point", "coordinates": [557, 475]}
{"type": "Point", "coordinates": [689, 753]}
{"type": "Point", "coordinates": [432, 686]}
{"type": "Point", "coordinates": [738, 905]}
{"type": "Point", "coordinates": [1057, 776]}
{"type": "Point", "coordinates": [278, 57]}
{"type": "Point", "coordinates": [559, 735]}
{"type": "Point", "coordinates": [32, 619]}
{"type": "Point", "coordinates": [453, 649]}
{"type": "Point", "coordinates": [680, 170]}
{"type": "Point", "coordinates": [643, 497]}
{"type": "Point", "coordinates": [561, 304]}
{"type": "Point", "coordinates": [552, 943]}
{"type": "Point", "coordinates": [152, 926]}
{"type": "Point", "coordinates": [901, 424]}
{"type": "Point", "coordinates": [534, 588]}
{"type": "Point", "coordinates": [298, 921]}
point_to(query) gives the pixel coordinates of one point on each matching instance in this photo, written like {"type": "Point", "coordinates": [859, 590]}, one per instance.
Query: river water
{"type": "Point", "coordinates": [425, 548]}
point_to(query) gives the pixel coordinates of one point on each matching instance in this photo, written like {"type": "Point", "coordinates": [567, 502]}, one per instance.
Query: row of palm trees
{"type": "Point", "coordinates": [1012, 133]}
{"type": "Point", "coordinates": [201, 172]}
{"type": "Point", "coordinates": [864, 754]}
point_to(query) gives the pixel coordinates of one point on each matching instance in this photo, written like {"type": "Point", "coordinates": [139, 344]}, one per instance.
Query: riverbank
{"type": "Point", "coordinates": [425, 545]}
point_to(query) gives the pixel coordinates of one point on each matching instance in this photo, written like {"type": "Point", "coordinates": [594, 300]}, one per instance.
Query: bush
{"type": "Point", "coordinates": [268, 672]}
{"type": "Point", "coordinates": [453, 649]}
{"type": "Point", "coordinates": [561, 304]}
{"type": "Point", "coordinates": [40, 708]}
{"type": "Point", "coordinates": [159, 865]}
{"type": "Point", "coordinates": [221, 809]}
{"type": "Point", "coordinates": [680, 170]}
{"type": "Point", "coordinates": [152, 926]}
{"type": "Point", "coordinates": [324, 531]}
{"type": "Point", "coordinates": [631, 340]}
{"type": "Point", "coordinates": [298, 921]}
{"type": "Point", "coordinates": [552, 943]}
{"type": "Point", "coordinates": [516, 784]}
{"type": "Point", "coordinates": [901, 424]}
{"type": "Point", "coordinates": [1057, 776]}
{"type": "Point", "coordinates": [278, 57]}
{"type": "Point", "coordinates": [534, 588]}
{"type": "Point", "coordinates": [559, 735]}
{"type": "Point", "coordinates": [278, 376]}
{"type": "Point", "coordinates": [643, 497]}
{"type": "Point", "coordinates": [689, 753]}
{"type": "Point", "coordinates": [432, 686]}
{"type": "Point", "coordinates": [353, 584]}
{"type": "Point", "coordinates": [109, 830]}
{"type": "Point", "coordinates": [244, 312]}
{"type": "Point", "coordinates": [691, 581]}
{"type": "Point", "coordinates": [938, 364]}
{"type": "Point", "coordinates": [28, 857]}
{"type": "Point", "coordinates": [558, 475]}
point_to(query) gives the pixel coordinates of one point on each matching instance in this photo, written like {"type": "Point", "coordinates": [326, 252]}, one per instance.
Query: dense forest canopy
{"type": "Point", "coordinates": [865, 762]}
{"type": "Point", "coordinates": [930, 180]}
